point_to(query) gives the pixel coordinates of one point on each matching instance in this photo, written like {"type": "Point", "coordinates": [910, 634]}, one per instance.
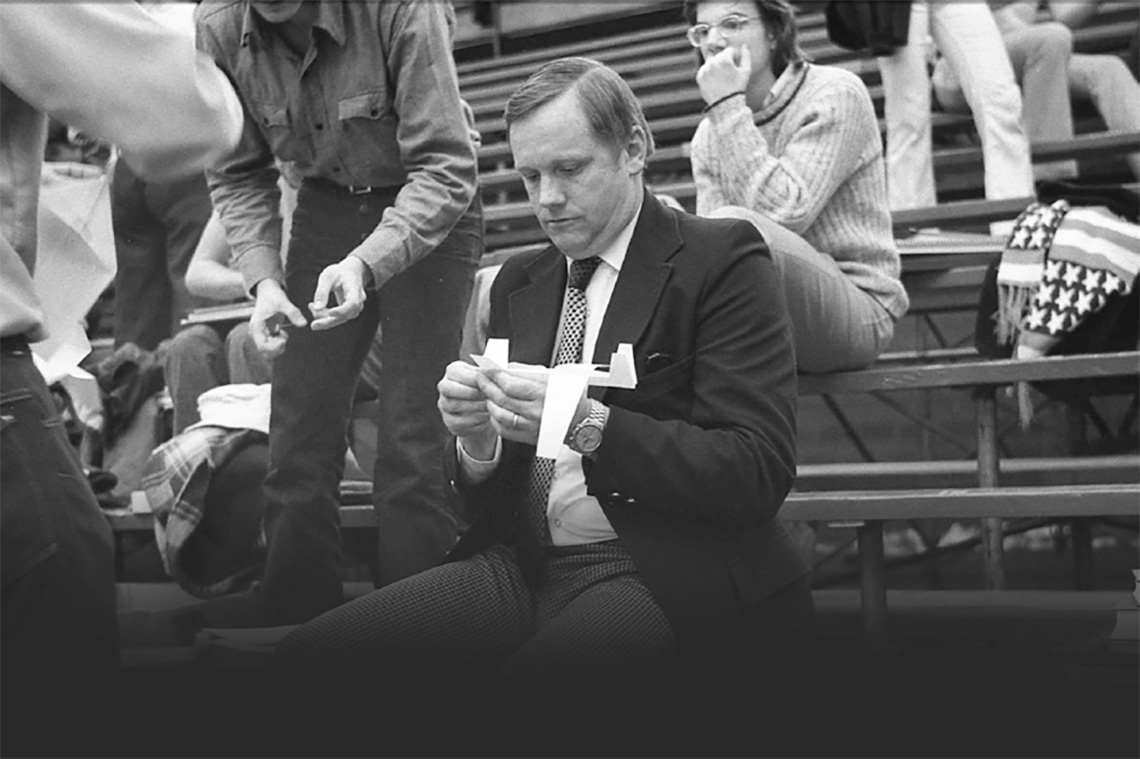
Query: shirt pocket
{"type": "Point", "coordinates": [369, 123]}
{"type": "Point", "coordinates": [281, 131]}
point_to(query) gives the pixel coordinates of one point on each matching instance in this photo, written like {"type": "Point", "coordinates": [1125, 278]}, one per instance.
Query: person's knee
{"type": "Point", "coordinates": [194, 342]}
{"type": "Point", "coordinates": [1052, 41]}
{"type": "Point", "coordinates": [239, 342]}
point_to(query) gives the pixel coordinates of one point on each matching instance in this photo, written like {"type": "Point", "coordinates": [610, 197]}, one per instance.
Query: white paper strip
{"type": "Point", "coordinates": [564, 389]}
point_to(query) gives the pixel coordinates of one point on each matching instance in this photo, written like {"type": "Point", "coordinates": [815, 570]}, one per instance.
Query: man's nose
{"type": "Point", "coordinates": [550, 193]}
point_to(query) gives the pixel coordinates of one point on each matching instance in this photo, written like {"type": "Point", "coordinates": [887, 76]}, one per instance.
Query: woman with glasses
{"type": "Point", "coordinates": [795, 149]}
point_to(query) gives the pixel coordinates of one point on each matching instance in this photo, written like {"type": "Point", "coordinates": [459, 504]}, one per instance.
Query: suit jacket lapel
{"type": "Point", "coordinates": [536, 309]}
{"type": "Point", "coordinates": [643, 276]}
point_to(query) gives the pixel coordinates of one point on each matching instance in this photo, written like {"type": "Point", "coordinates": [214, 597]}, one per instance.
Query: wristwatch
{"type": "Point", "coordinates": [586, 436]}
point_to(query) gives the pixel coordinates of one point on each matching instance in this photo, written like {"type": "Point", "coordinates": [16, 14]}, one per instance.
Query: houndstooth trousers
{"type": "Point", "coordinates": [589, 617]}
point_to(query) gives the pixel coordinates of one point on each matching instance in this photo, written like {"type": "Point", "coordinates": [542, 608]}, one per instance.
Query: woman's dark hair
{"type": "Point", "coordinates": [779, 19]}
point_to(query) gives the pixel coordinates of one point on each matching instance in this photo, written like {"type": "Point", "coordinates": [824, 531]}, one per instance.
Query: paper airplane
{"type": "Point", "coordinates": [565, 385]}
{"type": "Point", "coordinates": [620, 372]}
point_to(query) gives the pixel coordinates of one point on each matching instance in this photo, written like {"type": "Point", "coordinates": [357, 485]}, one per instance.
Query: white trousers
{"type": "Point", "coordinates": [1050, 73]}
{"type": "Point", "coordinates": [968, 38]}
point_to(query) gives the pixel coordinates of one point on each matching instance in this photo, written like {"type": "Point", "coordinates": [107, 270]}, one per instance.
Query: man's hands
{"type": "Point", "coordinates": [723, 74]}
{"type": "Point", "coordinates": [479, 405]}
{"type": "Point", "coordinates": [345, 280]}
{"type": "Point", "coordinates": [272, 312]}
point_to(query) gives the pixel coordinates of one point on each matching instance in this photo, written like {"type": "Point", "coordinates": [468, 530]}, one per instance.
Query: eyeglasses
{"type": "Point", "coordinates": [729, 26]}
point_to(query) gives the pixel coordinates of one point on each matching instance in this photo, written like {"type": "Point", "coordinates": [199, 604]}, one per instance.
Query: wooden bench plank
{"type": "Point", "coordinates": [963, 473]}
{"type": "Point", "coordinates": [963, 503]}
{"type": "Point", "coordinates": [973, 373]}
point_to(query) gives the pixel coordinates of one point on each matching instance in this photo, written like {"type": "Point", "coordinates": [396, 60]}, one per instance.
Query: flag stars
{"type": "Point", "coordinates": [1039, 237]}
{"type": "Point", "coordinates": [1057, 323]}
{"type": "Point", "coordinates": [1072, 275]}
{"type": "Point", "coordinates": [1092, 279]}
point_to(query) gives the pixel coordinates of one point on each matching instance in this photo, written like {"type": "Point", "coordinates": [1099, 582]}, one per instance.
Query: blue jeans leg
{"type": "Point", "coordinates": [313, 384]}
{"type": "Point", "coordinates": [422, 312]}
{"type": "Point", "coordinates": [58, 616]}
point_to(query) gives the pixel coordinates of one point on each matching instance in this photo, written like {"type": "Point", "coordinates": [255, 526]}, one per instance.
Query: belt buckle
{"type": "Point", "coordinates": [359, 189]}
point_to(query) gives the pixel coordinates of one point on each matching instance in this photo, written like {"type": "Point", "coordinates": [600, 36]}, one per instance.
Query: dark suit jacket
{"type": "Point", "coordinates": [697, 459]}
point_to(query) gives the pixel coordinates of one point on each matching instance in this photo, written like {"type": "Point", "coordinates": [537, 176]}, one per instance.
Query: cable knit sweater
{"type": "Point", "coordinates": [812, 160]}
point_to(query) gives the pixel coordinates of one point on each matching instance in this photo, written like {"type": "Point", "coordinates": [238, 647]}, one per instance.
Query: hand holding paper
{"type": "Point", "coordinates": [463, 407]}
{"type": "Point", "coordinates": [545, 399]}
{"type": "Point", "coordinates": [515, 397]}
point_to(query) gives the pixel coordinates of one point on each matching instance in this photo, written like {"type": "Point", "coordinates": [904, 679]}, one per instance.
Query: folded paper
{"type": "Point", "coordinates": [565, 385]}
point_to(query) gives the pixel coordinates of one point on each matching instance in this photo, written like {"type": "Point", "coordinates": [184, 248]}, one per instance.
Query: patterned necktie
{"type": "Point", "coordinates": [569, 352]}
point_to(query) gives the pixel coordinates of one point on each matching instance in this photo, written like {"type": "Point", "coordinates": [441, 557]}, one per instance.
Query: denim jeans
{"type": "Point", "coordinates": [204, 356]}
{"type": "Point", "coordinates": [313, 386]}
{"type": "Point", "coordinates": [58, 614]}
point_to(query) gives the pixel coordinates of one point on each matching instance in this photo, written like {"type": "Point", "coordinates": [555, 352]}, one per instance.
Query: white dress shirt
{"type": "Point", "coordinates": [574, 516]}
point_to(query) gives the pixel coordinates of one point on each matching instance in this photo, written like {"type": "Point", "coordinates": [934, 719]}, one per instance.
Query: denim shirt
{"type": "Point", "coordinates": [373, 102]}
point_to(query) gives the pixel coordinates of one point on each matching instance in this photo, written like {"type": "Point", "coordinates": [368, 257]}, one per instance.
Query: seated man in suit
{"type": "Point", "coordinates": [652, 539]}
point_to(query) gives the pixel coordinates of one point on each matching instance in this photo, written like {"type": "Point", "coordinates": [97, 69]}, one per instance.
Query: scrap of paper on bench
{"type": "Point", "coordinates": [564, 386]}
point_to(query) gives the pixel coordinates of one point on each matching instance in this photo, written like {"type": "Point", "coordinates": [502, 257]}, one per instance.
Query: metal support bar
{"type": "Point", "coordinates": [848, 428]}
{"type": "Point", "coordinates": [1129, 417]}
{"type": "Point", "coordinates": [1080, 532]}
{"type": "Point", "coordinates": [928, 320]}
{"type": "Point", "coordinates": [926, 424]}
{"type": "Point", "coordinates": [873, 588]}
{"type": "Point", "coordinates": [985, 405]}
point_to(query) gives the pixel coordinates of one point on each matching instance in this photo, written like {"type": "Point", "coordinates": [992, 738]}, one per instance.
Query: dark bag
{"type": "Point", "coordinates": [871, 27]}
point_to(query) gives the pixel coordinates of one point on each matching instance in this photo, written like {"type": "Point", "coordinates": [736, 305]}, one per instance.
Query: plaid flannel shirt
{"type": "Point", "coordinates": [175, 479]}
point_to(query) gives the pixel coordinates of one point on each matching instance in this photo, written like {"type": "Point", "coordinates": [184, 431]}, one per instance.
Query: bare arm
{"type": "Point", "coordinates": [209, 274]}
{"type": "Point", "coordinates": [80, 62]}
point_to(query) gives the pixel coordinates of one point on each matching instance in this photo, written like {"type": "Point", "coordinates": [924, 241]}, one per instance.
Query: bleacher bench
{"type": "Point", "coordinates": [869, 509]}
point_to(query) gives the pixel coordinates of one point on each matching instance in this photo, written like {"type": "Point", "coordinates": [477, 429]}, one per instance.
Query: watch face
{"type": "Point", "coordinates": [588, 439]}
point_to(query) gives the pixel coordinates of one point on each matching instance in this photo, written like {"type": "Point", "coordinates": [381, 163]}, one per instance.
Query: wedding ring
{"type": "Point", "coordinates": [515, 421]}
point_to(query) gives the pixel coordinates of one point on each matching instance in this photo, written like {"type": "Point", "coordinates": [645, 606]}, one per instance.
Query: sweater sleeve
{"type": "Point", "coordinates": [827, 130]}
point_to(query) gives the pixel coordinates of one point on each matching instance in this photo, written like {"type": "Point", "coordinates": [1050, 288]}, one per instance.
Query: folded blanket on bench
{"type": "Point", "coordinates": [1061, 266]}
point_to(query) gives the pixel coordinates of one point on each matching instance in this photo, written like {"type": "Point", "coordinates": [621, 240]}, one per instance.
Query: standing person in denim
{"type": "Point", "coordinates": [79, 64]}
{"type": "Point", "coordinates": [363, 99]}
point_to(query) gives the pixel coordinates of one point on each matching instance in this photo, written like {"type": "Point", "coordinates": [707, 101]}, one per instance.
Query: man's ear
{"type": "Point", "coordinates": [638, 150]}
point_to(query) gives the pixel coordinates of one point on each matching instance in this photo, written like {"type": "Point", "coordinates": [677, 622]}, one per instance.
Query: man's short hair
{"type": "Point", "coordinates": [611, 108]}
{"type": "Point", "coordinates": [779, 19]}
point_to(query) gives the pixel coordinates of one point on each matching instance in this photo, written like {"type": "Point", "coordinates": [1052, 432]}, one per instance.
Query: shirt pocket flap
{"type": "Point", "coordinates": [370, 105]}
{"type": "Point", "coordinates": [272, 114]}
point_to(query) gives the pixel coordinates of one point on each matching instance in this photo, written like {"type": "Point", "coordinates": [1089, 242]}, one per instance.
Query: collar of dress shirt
{"type": "Point", "coordinates": [614, 255]}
